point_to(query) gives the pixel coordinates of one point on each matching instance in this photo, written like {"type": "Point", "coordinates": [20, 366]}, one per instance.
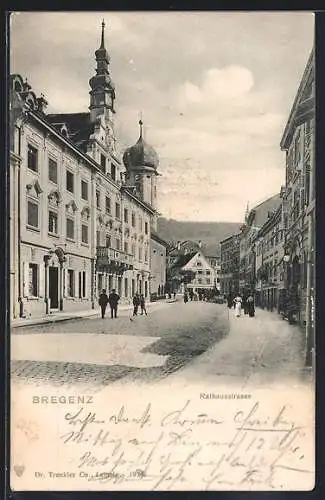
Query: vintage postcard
{"type": "Point", "coordinates": [162, 251]}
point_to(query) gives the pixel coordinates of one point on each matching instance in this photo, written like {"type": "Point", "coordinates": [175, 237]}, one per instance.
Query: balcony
{"type": "Point", "coordinates": [113, 261]}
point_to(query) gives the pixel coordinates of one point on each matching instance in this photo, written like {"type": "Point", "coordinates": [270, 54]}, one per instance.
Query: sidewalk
{"type": "Point", "coordinates": [67, 316]}
{"type": "Point", "coordinates": [257, 350]}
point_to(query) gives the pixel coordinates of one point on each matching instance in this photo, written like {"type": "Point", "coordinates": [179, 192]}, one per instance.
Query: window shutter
{"type": "Point", "coordinates": [76, 283]}
{"type": "Point", "coordinates": [41, 280]}
{"type": "Point", "coordinates": [65, 282]}
{"type": "Point", "coordinates": [26, 279]}
{"type": "Point", "coordinates": [86, 284]}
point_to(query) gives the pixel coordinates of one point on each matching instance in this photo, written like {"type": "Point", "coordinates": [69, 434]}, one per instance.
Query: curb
{"type": "Point", "coordinates": [45, 321]}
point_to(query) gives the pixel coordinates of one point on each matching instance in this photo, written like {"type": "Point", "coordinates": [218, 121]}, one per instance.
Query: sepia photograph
{"type": "Point", "coordinates": [162, 250]}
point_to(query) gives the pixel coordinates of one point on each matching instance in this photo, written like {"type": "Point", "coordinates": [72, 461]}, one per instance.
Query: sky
{"type": "Point", "coordinates": [214, 89]}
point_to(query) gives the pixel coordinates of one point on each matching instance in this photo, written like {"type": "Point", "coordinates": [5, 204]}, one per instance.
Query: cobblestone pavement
{"type": "Point", "coordinates": [194, 342]}
{"type": "Point", "coordinates": [94, 352]}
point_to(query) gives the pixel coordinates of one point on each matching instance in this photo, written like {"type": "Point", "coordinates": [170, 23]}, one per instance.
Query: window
{"type": "Point", "coordinates": [140, 223]}
{"type": "Point", "coordinates": [108, 241]}
{"type": "Point", "coordinates": [208, 273]}
{"type": "Point", "coordinates": [32, 158]}
{"type": "Point", "coordinates": [98, 238]}
{"type": "Point", "coordinates": [126, 287]}
{"type": "Point", "coordinates": [146, 256]}
{"type": "Point", "coordinates": [84, 233]}
{"type": "Point", "coordinates": [70, 181]}
{"type": "Point", "coordinates": [70, 283]}
{"type": "Point", "coordinates": [53, 222]}
{"type": "Point", "coordinates": [199, 264]}
{"type": "Point", "coordinates": [133, 249]}
{"type": "Point", "coordinates": [140, 253]}
{"type": "Point", "coordinates": [103, 163]}
{"type": "Point", "coordinates": [126, 247]}
{"type": "Point", "coordinates": [118, 244]}
{"type": "Point", "coordinates": [32, 214]}
{"type": "Point", "coordinates": [33, 280]}
{"type": "Point", "coordinates": [108, 205]}
{"type": "Point", "coordinates": [53, 171]}
{"type": "Point", "coordinates": [199, 272]}
{"type": "Point", "coordinates": [208, 280]}
{"type": "Point", "coordinates": [126, 216]}
{"type": "Point", "coordinates": [146, 227]}
{"type": "Point", "coordinates": [133, 219]}
{"type": "Point", "coordinates": [84, 190]}
{"type": "Point", "coordinates": [70, 229]}
{"type": "Point", "coordinates": [113, 172]}
{"type": "Point", "coordinates": [97, 199]}
{"type": "Point", "coordinates": [117, 210]}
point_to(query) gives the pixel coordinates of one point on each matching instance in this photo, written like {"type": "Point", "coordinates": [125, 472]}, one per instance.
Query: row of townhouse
{"type": "Point", "coordinates": [277, 241]}
{"type": "Point", "coordinates": [80, 219]}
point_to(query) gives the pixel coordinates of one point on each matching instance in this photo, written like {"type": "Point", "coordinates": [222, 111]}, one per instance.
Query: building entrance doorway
{"type": "Point", "coordinates": [54, 287]}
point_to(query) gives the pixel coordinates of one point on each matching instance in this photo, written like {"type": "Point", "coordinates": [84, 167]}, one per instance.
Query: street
{"type": "Point", "coordinates": [197, 341]}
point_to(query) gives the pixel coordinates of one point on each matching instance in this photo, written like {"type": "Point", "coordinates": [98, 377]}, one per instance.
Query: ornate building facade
{"type": "Point", "coordinates": [254, 221]}
{"type": "Point", "coordinates": [269, 263]}
{"type": "Point", "coordinates": [299, 202]}
{"type": "Point", "coordinates": [81, 219]}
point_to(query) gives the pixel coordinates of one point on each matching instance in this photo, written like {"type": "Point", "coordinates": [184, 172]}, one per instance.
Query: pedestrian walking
{"type": "Point", "coordinates": [238, 302]}
{"type": "Point", "coordinates": [113, 302]}
{"type": "Point", "coordinates": [143, 305]}
{"type": "Point", "coordinates": [136, 303]}
{"type": "Point", "coordinates": [191, 294]}
{"type": "Point", "coordinates": [250, 306]}
{"type": "Point", "coordinates": [185, 298]}
{"type": "Point", "coordinates": [244, 305]}
{"type": "Point", "coordinates": [229, 300]}
{"type": "Point", "coordinates": [103, 301]}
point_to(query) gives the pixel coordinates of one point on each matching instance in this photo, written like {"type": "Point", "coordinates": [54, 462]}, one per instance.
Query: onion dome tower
{"type": "Point", "coordinates": [141, 162]}
{"type": "Point", "coordinates": [102, 94]}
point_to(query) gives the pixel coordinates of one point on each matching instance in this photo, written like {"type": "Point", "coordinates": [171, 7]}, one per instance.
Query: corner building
{"type": "Point", "coordinates": [81, 220]}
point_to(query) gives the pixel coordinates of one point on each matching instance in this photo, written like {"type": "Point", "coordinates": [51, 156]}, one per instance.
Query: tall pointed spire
{"type": "Point", "coordinates": [247, 212]}
{"type": "Point", "coordinates": [102, 43]}
{"type": "Point", "coordinates": [141, 129]}
{"type": "Point", "coordinates": [102, 94]}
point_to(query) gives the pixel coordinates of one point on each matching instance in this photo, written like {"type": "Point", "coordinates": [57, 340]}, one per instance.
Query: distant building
{"type": "Point", "coordinates": [198, 274]}
{"type": "Point", "coordinates": [269, 251]}
{"type": "Point", "coordinates": [229, 264]}
{"type": "Point", "coordinates": [254, 221]}
{"type": "Point", "coordinates": [157, 266]}
{"type": "Point", "coordinates": [215, 264]}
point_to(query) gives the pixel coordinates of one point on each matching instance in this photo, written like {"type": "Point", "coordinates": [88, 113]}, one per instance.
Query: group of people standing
{"type": "Point", "coordinates": [113, 299]}
{"type": "Point", "coordinates": [239, 303]}
{"type": "Point", "coordinates": [201, 295]}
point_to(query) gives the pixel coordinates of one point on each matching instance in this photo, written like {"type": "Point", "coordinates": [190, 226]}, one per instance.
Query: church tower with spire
{"type": "Point", "coordinates": [102, 94]}
{"type": "Point", "coordinates": [141, 162]}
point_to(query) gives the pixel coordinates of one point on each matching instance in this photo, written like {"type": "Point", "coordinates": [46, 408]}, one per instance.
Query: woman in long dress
{"type": "Point", "coordinates": [237, 302]}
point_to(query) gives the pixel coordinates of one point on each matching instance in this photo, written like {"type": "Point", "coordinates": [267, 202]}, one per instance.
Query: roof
{"type": "Point", "coordinates": [79, 125]}
{"type": "Point", "coordinates": [160, 240]}
{"type": "Point", "coordinates": [261, 212]}
{"type": "Point", "coordinates": [184, 259]}
{"type": "Point", "coordinates": [308, 73]}
{"type": "Point", "coordinates": [270, 222]}
{"type": "Point", "coordinates": [232, 237]}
